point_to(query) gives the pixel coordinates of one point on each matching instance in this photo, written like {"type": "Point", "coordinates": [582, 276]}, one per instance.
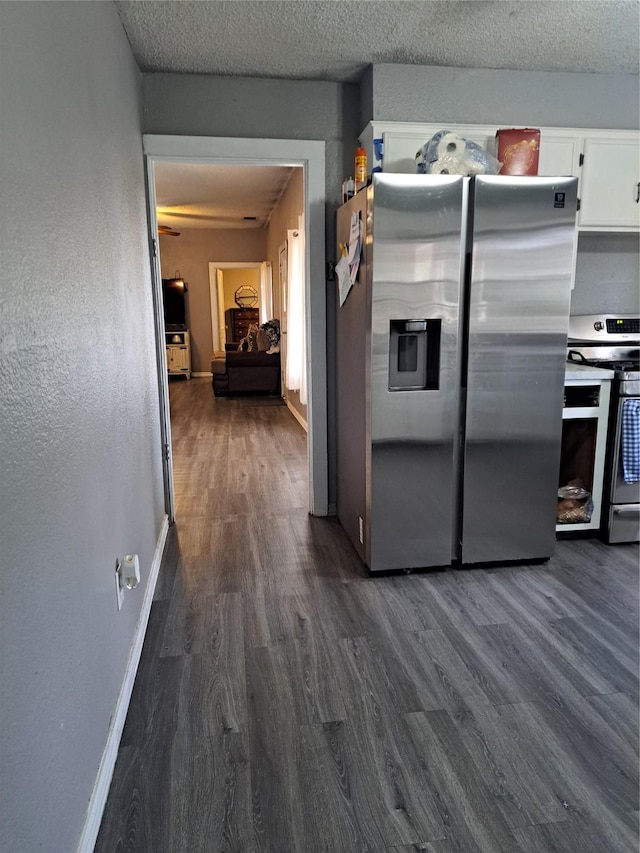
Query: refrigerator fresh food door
{"type": "Point", "coordinates": [352, 366]}
{"type": "Point", "coordinates": [519, 296]}
{"type": "Point", "coordinates": [415, 224]}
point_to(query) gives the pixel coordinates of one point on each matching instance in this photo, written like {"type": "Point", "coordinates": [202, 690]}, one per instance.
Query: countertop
{"type": "Point", "coordinates": [586, 371]}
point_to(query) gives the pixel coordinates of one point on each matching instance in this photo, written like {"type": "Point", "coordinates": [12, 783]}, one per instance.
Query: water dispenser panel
{"type": "Point", "coordinates": [407, 353]}
{"type": "Point", "coordinates": [414, 355]}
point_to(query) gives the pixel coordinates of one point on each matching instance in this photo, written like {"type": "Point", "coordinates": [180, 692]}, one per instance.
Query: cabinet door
{"type": "Point", "coordinates": [178, 359]}
{"type": "Point", "coordinates": [559, 156]}
{"type": "Point", "coordinates": [181, 359]}
{"type": "Point", "coordinates": [400, 151]}
{"type": "Point", "coordinates": [610, 184]}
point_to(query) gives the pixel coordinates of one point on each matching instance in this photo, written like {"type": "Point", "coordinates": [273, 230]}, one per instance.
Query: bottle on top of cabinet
{"type": "Point", "coordinates": [360, 173]}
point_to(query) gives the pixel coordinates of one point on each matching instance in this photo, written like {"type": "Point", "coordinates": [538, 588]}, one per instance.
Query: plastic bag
{"type": "Point", "coordinates": [447, 153]}
{"type": "Point", "coordinates": [575, 505]}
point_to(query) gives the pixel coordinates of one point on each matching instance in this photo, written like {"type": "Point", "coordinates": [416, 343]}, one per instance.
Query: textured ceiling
{"type": "Point", "coordinates": [198, 195]}
{"type": "Point", "coordinates": [336, 40]}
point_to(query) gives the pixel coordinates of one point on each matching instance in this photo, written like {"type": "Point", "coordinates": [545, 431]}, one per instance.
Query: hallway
{"type": "Point", "coordinates": [286, 702]}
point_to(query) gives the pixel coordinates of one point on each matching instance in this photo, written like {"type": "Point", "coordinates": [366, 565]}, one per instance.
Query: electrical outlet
{"type": "Point", "coordinates": [119, 587]}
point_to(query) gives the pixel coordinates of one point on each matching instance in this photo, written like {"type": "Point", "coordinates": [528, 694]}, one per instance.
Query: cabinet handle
{"type": "Point", "coordinates": [638, 192]}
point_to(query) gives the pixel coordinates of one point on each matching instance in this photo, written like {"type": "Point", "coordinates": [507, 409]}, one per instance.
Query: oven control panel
{"type": "Point", "coordinates": [604, 328]}
{"type": "Point", "coordinates": [623, 325]}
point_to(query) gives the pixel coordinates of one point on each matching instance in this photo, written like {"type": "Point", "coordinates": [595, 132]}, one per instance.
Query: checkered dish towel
{"type": "Point", "coordinates": [631, 440]}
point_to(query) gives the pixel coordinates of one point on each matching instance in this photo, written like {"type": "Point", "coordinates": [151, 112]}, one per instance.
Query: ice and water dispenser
{"type": "Point", "coordinates": [414, 355]}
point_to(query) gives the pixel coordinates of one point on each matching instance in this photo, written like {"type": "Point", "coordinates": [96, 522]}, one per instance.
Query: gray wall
{"type": "Point", "coordinates": [481, 96]}
{"type": "Point", "coordinates": [80, 456]}
{"type": "Point", "coordinates": [607, 274]}
{"type": "Point", "coordinates": [203, 105]}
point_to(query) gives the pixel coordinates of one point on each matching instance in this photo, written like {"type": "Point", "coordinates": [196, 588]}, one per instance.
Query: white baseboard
{"type": "Point", "coordinates": [297, 416]}
{"type": "Point", "coordinates": [107, 764]}
{"type": "Point", "coordinates": [196, 375]}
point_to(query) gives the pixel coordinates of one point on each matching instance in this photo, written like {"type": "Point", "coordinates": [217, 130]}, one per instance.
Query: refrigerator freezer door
{"type": "Point", "coordinates": [416, 223]}
{"type": "Point", "coordinates": [519, 297]}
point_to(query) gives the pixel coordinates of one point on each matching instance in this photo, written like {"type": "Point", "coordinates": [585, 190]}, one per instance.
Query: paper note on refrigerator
{"type": "Point", "coordinates": [355, 246]}
{"type": "Point", "coordinates": [354, 235]}
{"type": "Point", "coordinates": [343, 278]}
{"type": "Point", "coordinates": [348, 265]}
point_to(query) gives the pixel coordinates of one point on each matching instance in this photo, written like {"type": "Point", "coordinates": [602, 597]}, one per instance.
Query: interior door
{"type": "Point", "coordinates": [220, 302]}
{"type": "Point", "coordinates": [161, 354]}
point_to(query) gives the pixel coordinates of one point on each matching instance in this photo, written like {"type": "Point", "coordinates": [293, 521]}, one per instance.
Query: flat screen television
{"type": "Point", "coordinates": [173, 291]}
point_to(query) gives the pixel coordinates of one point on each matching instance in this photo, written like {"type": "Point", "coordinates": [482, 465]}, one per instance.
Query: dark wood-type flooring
{"type": "Point", "coordinates": [287, 702]}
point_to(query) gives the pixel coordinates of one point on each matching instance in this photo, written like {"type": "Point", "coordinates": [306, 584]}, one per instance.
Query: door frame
{"type": "Point", "coordinates": [283, 281]}
{"type": "Point", "coordinates": [310, 154]}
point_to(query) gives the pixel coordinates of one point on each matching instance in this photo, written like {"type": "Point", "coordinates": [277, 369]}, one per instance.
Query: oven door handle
{"type": "Point", "coordinates": [633, 509]}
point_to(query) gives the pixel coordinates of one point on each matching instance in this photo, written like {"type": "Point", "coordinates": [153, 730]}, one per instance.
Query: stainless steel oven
{"type": "Point", "coordinates": [613, 341]}
{"type": "Point", "coordinates": [623, 505]}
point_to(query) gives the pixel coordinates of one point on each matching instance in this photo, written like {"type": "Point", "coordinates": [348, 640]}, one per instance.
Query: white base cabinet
{"type": "Point", "coordinates": [178, 349]}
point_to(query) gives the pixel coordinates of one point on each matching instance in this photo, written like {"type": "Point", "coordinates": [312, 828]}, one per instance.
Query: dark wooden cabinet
{"type": "Point", "coordinates": [237, 322]}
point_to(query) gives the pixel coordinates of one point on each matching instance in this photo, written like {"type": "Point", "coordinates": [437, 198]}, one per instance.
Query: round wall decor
{"type": "Point", "coordinates": [246, 296]}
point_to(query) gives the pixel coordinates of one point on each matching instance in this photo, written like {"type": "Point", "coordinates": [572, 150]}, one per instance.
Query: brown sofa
{"type": "Point", "coordinates": [245, 373]}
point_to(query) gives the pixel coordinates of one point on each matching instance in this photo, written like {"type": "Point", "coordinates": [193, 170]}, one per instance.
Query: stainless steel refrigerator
{"type": "Point", "coordinates": [450, 355]}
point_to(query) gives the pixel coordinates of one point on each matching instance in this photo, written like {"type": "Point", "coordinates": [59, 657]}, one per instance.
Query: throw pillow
{"type": "Point", "coordinates": [262, 339]}
{"type": "Point", "coordinates": [272, 328]}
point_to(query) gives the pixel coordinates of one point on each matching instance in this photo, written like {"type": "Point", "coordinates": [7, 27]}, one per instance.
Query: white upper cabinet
{"type": "Point", "coordinates": [400, 151]}
{"type": "Point", "coordinates": [610, 187]}
{"type": "Point", "coordinates": [559, 155]}
{"type": "Point", "coordinates": [609, 178]}
{"type": "Point", "coordinates": [402, 141]}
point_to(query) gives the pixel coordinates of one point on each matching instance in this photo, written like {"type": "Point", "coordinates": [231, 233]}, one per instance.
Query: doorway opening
{"type": "Point", "coordinates": [230, 320]}
{"type": "Point", "coordinates": [306, 159]}
{"type": "Point", "coordinates": [238, 286]}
